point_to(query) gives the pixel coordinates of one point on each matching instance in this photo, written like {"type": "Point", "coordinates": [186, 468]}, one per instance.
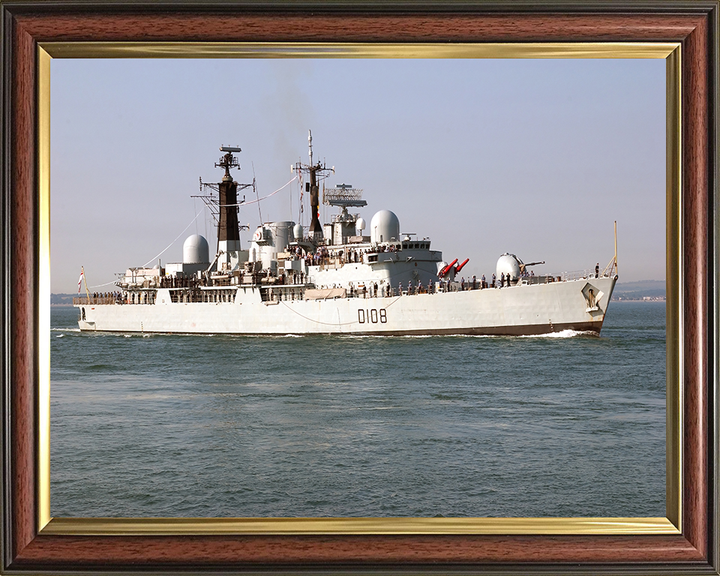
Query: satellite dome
{"type": "Point", "coordinates": [195, 250]}
{"type": "Point", "coordinates": [508, 264]}
{"type": "Point", "coordinates": [384, 227]}
{"type": "Point", "coordinates": [360, 226]}
{"type": "Point", "coordinates": [298, 232]}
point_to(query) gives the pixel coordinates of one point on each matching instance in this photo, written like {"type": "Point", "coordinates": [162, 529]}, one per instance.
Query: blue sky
{"type": "Point", "coordinates": [533, 157]}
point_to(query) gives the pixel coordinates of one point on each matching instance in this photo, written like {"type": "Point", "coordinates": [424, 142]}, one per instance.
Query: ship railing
{"type": "Point", "coordinates": [610, 269]}
{"type": "Point", "coordinates": [581, 275]}
{"type": "Point", "coordinates": [188, 296]}
{"type": "Point", "coordinates": [540, 279]}
{"type": "Point", "coordinates": [93, 300]}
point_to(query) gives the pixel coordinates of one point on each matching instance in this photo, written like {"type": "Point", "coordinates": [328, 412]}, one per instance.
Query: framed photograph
{"type": "Point", "coordinates": [683, 35]}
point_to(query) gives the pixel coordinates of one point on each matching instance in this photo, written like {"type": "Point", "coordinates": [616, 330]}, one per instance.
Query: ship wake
{"type": "Point", "coordinates": [562, 334]}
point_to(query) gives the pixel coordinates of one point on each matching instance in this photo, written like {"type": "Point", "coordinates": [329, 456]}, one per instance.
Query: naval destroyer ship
{"type": "Point", "coordinates": [332, 278]}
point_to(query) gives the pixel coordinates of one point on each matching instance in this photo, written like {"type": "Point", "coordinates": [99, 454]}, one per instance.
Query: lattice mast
{"type": "Point", "coordinates": [223, 203]}
{"type": "Point", "coordinates": [228, 225]}
{"type": "Point", "coordinates": [317, 172]}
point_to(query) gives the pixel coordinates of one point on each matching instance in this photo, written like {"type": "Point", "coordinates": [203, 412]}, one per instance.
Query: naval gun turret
{"type": "Point", "coordinates": [512, 267]}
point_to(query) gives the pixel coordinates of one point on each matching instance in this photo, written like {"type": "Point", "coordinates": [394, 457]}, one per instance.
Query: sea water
{"type": "Point", "coordinates": [566, 424]}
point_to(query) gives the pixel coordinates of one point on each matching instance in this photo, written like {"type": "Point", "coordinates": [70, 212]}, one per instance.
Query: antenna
{"type": "Point", "coordinates": [228, 161]}
{"type": "Point", "coordinates": [317, 173]}
{"type": "Point", "coordinates": [616, 266]}
{"type": "Point", "coordinates": [343, 195]}
{"type": "Point", "coordinates": [257, 196]}
{"type": "Point", "coordinates": [210, 191]}
{"type": "Point", "coordinates": [310, 145]}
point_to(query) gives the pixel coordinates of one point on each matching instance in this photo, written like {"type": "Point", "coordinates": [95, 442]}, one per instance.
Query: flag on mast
{"type": "Point", "coordinates": [83, 279]}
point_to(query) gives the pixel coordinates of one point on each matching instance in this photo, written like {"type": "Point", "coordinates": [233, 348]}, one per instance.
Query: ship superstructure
{"type": "Point", "coordinates": [338, 278]}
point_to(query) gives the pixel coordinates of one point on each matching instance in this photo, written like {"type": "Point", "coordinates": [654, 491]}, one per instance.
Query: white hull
{"type": "Point", "coordinates": [516, 310]}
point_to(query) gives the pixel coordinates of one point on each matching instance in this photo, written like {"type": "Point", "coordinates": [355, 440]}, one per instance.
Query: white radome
{"type": "Point", "coordinates": [196, 250]}
{"type": "Point", "coordinates": [298, 232]}
{"type": "Point", "coordinates": [360, 226]}
{"type": "Point", "coordinates": [384, 227]}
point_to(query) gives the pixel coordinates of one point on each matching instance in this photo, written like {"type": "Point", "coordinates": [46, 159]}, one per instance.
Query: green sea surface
{"type": "Point", "coordinates": [225, 426]}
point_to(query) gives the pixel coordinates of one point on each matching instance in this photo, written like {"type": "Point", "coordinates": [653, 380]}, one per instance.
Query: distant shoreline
{"type": "Point", "coordinates": [645, 299]}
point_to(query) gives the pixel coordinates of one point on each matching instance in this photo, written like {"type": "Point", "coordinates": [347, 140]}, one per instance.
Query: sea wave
{"type": "Point", "coordinates": [362, 336]}
{"type": "Point", "coordinates": [562, 334]}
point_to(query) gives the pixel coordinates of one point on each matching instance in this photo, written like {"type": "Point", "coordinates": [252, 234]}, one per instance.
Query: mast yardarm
{"type": "Point", "coordinates": [317, 172]}
{"type": "Point", "coordinates": [228, 226]}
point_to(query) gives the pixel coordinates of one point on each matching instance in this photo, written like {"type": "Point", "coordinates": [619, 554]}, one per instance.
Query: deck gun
{"type": "Point", "coordinates": [523, 266]}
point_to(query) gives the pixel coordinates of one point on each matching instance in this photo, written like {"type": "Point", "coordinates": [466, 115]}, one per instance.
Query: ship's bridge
{"type": "Point", "coordinates": [416, 244]}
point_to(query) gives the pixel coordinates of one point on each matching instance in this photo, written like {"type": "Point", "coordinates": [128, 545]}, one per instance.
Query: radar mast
{"type": "Point", "coordinates": [317, 171]}
{"type": "Point", "coordinates": [225, 206]}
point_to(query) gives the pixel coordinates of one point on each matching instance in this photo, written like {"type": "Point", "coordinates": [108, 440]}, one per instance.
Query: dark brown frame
{"type": "Point", "coordinates": [693, 24]}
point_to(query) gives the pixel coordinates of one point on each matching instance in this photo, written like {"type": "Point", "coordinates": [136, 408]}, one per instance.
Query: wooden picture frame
{"type": "Point", "coordinates": [31, 543]}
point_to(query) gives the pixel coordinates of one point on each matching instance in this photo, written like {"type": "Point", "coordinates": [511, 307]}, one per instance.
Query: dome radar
{"type": "Point", "coordinates": [384, 227]}
{"type": "Point", "coordinates": [196, 250]}
{"type": "Point", "coordinates": [359, 226]}
{"type": "Point", "coordinates": [298, 232]}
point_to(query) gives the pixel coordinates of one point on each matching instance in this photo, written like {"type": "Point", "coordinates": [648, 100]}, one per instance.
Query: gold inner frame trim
{"type": "Point", "coordinates": [354, 50]}
{"type": "Point", "coordinates": [44, 288]}
{"type": "Point", "coordinates": [336, 526]}
{"type": "Point", "coordinates": [674, 294]}
{"type": "Point", "coordinates": [328, 526]}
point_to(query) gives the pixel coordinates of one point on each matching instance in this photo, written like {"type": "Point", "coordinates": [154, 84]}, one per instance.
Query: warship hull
{"type": "Point", "coordinates": [522, 309]}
